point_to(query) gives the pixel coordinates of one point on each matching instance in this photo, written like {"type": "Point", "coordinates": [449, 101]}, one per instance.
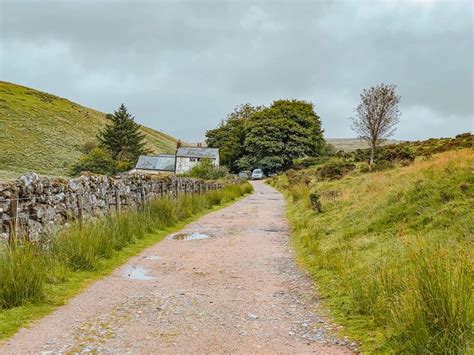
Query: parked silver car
{"type": "Point", "coordinates": [257, 174]}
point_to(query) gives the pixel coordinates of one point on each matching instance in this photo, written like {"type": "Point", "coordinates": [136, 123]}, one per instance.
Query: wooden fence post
{"type": "Point", "coordinates": [117, 200]}
{"type": "Point", "coordinates": [12, 238]}
{"type": "Point", "coordinates": [80, 215]}
{"type": "Point", "coordinates": [142, 196]}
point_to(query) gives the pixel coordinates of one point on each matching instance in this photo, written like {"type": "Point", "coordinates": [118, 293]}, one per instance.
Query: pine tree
{"type": "Point", "coordinates": [122, 137]}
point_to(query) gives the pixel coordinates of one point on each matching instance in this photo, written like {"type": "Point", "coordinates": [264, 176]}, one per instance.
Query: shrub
{"type": "Point", "coordinates": [97, 161]}
{"type": "Point", "coordinates": [382, 165]}
{"type": "Point", "coordinates": [335, 170]}
{"type": "Point", "coordinates": [313, 161]}
{"type": "Point", "coordinates": [88, 146]}
{"type": "Point", "coordinates": [394, 153]}
{"type": "Point", "coordinates": [299, 177]}
{"type": "Point", "coordinates": [206, 170]}
{"type": "Point", "coordinates": [315, 202]}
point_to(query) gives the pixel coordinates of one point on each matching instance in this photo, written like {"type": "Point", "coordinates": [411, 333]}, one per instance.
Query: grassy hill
{"type": "Point", "coordinates": [351, 144]}
{"type": "Point", "coordinates": [44, 133]}
{"type": "Point", "coordinates": [392, 251]}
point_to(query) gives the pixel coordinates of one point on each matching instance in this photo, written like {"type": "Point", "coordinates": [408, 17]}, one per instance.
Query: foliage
{"type": "Point", "coordinates": [392, 254]}
{"type": "Point", "coordinates": [206, 170]}
{"type": "Point", "coordinates": [269, 138]}
{"type": "Point", "coordinates": [276, 135]}
{"type": "Point", "coordinates": [396, 153]}
{"type": "Point", "coordinates": [311, 161]}
{"type": "Point", "coordinates": [97, 161]}
{"type": "Point", "coordinates": [122, 136]}
{"type": "Point", "coordinates": [229, 137]}
{"type": "Point", "coordinates": [408, 151]}
{"type": "Point", "coordinates": [334, 170]}
{"type": "Point", "coordinates": [25, 271]}
{"type": "Point", "coordinates": [376, 115]}
{"type": "Point", "coordinates": [47, 135]}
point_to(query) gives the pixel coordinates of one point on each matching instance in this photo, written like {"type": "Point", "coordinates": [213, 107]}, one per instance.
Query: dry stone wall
{"type": "Point", "coordinates": [32, 207]}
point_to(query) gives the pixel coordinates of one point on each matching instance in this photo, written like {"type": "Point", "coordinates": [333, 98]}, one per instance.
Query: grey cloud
{"type": "Point", "coordinates": [181, 66]}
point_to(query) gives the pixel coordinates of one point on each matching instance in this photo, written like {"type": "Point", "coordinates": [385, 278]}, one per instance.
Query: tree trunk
{"type": "Point", "coordinates": [372, 155]}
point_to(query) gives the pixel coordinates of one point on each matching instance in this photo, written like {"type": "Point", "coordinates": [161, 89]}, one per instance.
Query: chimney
{"type": "Point", "coordinates": [178, 144]}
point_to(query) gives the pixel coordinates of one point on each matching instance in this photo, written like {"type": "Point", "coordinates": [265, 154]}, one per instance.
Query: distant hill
{"type": "Point", "coordinates": [44, 133]}
{"type": "Point", "coordinates": [351, 144]}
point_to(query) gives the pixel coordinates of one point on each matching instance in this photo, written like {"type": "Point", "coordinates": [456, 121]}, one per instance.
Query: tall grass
{"type": "Point", "coordinates": [393, 253]}
{"type": "Point", "coordinates": [26, 270]}
{"type": "Point", "coordinates": [22, 275]}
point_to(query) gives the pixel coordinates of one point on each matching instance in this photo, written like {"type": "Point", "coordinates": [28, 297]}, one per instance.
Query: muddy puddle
{"type": "Point", "coordinates": [190, 236]}
{"type": "Point", "coordinates": [137, 273]}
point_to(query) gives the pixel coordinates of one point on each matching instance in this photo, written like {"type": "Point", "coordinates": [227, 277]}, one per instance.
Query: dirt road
{"type": "Point", "coordinates": [238, 291]}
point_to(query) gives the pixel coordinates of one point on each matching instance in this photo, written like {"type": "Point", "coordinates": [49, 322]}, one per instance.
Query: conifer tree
{"type": "Point", "coordinates": [122, 137]}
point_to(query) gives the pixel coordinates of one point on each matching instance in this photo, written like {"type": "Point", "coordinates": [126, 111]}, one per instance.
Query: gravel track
{"type": "Point", "coordinates": [238, 291]}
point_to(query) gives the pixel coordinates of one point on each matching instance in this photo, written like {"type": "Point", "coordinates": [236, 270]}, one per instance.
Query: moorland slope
{"type": "Point", "coordinates": [44, 133]}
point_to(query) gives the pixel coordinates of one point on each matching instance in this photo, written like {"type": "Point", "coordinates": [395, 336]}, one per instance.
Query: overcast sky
{"type": "Point", "coordinates": [181, 67]}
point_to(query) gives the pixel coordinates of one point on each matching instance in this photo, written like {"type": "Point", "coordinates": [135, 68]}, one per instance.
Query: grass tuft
{"type": "Point", "coordinates": [22, 276]}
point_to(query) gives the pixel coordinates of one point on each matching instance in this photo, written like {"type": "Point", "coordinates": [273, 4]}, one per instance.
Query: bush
{"type": "Point", "coordinates": [315, 202]}
{"type": "Point", "coordinates": [312, 161]}
{"type": "Point", "coordinates": [394, 153]}
{"type": "Point", "coordinates": [335, 170]}
{"type": "Point", "coordinates": [97, 161]}
{"type": "Point", "coordinates": [88, 146]}
{"type": "Point", "coordinates": [206, 170]}
{"type": "Point", "coordinates": [382, 165]}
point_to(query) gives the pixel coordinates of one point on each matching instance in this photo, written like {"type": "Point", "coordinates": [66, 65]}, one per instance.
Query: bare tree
{"type": "Point", "coordinates": [376, 115]}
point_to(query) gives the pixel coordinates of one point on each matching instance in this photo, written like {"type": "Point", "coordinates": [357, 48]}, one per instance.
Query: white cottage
{"type": "Point", "coordinates": [187, 157]}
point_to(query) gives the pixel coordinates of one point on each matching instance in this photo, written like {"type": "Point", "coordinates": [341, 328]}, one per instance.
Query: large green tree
{"type": "Point", "coordinates": [122, 137]}
{"type": "Point", "coordinates": [229, 137]}
{"type": "Point", "coordinates": [269, 138]}
{"type": "Point", "coordinates": [277, 135]}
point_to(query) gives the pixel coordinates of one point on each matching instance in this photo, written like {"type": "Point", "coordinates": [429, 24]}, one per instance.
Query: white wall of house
{"type": "Point", "coordinates": [185, 164]}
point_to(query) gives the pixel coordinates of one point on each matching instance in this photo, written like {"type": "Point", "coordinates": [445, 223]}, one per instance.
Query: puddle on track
{"type": "Point", "coordinates": [137, 273]}
{"type": "Point", "coordinates": [190, 236]}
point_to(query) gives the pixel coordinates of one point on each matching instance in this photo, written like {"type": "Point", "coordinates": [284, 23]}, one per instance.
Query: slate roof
{"type": "Point", "coordinates": [198, 152]}
{"type": "Point", "coordinates": [162, 162]}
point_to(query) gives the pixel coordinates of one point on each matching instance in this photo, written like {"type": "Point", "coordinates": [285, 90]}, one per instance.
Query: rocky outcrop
{"type": "Point", "coordinates": [34, 206]}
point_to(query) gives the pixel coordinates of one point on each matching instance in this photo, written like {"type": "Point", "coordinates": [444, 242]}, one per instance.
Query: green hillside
{"type": "Point", "coordinates": [391, 252]}
{"type": "Point", "coordinates": [44, 133]}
